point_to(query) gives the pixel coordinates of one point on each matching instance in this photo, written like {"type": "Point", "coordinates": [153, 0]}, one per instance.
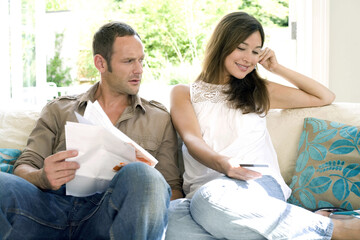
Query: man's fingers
{"type": "Point", "coordinates": [58, 182]}
{"type": "Point", "coordinates": [64, 155]}
{"type": "Point", "coordinates": [65, 175]}
{"type": "Point", "coordinates": [57, 171]}
{"type": "Point", "coordinates": [59, 178]}
{"type": "Point", "coordinates": [71, 165]}
{"type": "Point", "coordinates": [57, 161]}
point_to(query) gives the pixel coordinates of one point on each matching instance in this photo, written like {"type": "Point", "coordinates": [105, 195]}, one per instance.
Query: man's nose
{"type": "Point", "coordinates": [138, 67]}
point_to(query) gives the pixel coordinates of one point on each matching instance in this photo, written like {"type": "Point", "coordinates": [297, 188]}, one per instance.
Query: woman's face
{"type": "Point", "coordinates": [243, 59]}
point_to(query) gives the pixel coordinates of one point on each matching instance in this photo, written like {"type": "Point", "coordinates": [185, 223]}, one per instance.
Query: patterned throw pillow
{"type": "Point", "coordinates": [327, 172]}
{"type": "Point", "coordinates": [8, 157]}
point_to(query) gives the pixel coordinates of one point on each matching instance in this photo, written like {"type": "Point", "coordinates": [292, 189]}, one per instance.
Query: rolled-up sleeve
{"type": "Point", "coordinates": [48, 135]}
{"type": "Point", "coordinates": [40, 141]}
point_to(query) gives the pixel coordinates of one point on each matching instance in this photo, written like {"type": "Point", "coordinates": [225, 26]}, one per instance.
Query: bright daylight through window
{"type": "Point", "coordinates": [46, 44]}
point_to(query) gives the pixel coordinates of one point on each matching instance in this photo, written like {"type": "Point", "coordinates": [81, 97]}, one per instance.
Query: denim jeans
{"type": "Point", "coordinates": [133, 207]}
{"type": "Point", "coordinates": [226, 208]}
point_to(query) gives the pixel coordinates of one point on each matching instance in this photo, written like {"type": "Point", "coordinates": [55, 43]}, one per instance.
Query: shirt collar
{"type": "Point", "coordinates": [137, 101]}
{"type": "Point", "coordinates": [90, 95]}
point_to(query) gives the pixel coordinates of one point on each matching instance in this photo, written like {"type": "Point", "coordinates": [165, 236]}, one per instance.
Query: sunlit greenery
{"type": "Point", "coordinates": [57, 5]}
{"type": "Point", "coordinates": [56, 72]}
{"type": "Point", "coordinates": [174, 32]}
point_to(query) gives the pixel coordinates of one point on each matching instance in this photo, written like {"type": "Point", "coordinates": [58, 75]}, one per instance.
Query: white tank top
{"type": "Point", "coordinates": [231, 133]}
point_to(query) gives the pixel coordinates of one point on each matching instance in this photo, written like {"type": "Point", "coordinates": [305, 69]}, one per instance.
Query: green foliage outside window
{"type": "Point", "coordinates": [57, 5]}
{"type": "Point", "coordinates": [86, 69]}
{"type": "Point", "coordinates": [56, 72]}
{"type": "Point", "coordinates": [175, 32]}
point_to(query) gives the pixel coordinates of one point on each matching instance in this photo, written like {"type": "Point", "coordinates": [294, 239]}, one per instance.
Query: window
{"type": "Point", "coordinates": [41, 37]}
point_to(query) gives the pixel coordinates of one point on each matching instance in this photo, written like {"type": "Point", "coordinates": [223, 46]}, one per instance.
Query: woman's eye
{"type": "Point", "coordinates": [242, 49]}
{"type": "Point", "coordinates": [256, 53]}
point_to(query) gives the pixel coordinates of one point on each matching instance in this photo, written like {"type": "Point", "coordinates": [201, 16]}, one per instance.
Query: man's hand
{"type": "Point", "coordinates": [57, 171]}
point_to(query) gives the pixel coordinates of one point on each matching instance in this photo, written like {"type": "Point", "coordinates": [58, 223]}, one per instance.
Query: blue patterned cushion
{"type": "Point", "coordinates": [327, 172]}
{"type": "Point", "coordinates": [8, 157]}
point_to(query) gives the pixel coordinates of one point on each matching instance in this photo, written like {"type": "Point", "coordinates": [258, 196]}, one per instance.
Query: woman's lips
{"type": "Point", "coordinates": [242, 67]}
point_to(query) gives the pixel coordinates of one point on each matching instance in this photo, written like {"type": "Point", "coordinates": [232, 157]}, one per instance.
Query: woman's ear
{"type": "Point", "coordinates": [100, 63]}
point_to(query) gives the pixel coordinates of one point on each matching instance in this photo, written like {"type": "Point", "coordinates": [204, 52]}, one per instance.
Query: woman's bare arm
{"type": "Point", "coordinates": [187, 125]}
{"type": "Point", "coordinates": [308, 92]}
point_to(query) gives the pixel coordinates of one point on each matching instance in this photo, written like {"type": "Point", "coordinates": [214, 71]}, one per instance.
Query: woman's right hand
{"type": "Point", "coordinates": [233, 170]}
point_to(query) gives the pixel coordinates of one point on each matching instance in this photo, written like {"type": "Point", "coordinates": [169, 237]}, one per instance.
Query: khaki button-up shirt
{"type": "Point", "coordinates": [147, 123]}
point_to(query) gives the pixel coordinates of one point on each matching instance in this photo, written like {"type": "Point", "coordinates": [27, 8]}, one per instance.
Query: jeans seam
{"type": "Point", "coordinates": [29, 216]}
{"type": "Point", "coordinates": [7, 234]}
{"type": "Point", "coordinates": [97, 208]}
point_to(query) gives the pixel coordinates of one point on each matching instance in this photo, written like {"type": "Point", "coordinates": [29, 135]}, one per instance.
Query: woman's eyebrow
{"type": "Point", "coordinates": [248, 45]}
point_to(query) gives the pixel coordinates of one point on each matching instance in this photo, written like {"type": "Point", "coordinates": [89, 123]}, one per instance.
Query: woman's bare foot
{"type": "Point", "coordinates": [348, 229]}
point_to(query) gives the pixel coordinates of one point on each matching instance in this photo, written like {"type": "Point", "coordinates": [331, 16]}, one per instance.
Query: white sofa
{"type": "Point", "coordinates": [285, 127]}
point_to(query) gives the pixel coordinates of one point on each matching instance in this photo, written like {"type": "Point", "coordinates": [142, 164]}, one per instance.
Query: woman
{"type": "Point", "coordinates": [221, 119]}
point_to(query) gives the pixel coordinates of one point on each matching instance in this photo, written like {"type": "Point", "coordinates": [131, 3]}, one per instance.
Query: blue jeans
{"type": "Point", "coordinates": [226, 208]}
{"type": "Point", "coordinates": [133, 207]}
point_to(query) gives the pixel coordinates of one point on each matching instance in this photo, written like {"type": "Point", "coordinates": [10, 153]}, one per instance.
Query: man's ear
{"type": "Point", "coordinates": [100, 63]}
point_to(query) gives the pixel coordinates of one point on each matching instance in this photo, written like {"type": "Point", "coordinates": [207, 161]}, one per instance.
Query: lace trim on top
{"type": "Point", "coordinates": [202, 92]}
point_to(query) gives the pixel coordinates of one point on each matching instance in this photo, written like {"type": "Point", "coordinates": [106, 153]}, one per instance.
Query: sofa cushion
{"type": "Point", "coordinates": [8, 157]}
{"type": "Point", "coordinates": [327, 172]}
{"type": "Point", "coordinates": [285, 127]}
{"type": "Point", "coordinates": [15, 127]}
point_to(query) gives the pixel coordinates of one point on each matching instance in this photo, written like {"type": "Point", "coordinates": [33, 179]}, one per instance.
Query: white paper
{"type": "Point", "coordinates": [101, 146]}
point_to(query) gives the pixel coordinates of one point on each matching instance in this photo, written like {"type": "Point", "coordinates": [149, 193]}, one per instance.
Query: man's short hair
{"type": "Point", "coordinates": [104, 39]}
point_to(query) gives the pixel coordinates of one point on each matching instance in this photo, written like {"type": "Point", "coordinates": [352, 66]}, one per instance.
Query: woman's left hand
{"type": "Point", "coordinates": [268, 59]}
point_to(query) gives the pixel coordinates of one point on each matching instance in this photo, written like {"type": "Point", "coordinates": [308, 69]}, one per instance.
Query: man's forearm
{"type": "Point", "coordinates": [32, 175]}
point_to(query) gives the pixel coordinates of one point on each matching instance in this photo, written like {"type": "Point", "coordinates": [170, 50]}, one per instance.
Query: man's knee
{"type": "Point", "coordinates": [140, 176]}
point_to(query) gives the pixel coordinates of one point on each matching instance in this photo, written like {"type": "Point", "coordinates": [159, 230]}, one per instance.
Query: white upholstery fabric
{"type": "Point", "coordinates": [15, 127]}
{"type": "Point", "coordinates": [284, 126]}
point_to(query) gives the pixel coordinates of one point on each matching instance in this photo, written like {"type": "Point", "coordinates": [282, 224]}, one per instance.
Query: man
{"type": "Point", "coordinates": [135, 204]}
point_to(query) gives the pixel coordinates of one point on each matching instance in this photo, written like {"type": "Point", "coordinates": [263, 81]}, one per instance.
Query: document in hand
{"type": "Point", "coordinates": [101, 146]}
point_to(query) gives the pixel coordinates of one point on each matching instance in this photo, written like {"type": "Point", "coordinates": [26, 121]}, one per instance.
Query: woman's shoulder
{"type": "Point", "coordinates": [180, 89]}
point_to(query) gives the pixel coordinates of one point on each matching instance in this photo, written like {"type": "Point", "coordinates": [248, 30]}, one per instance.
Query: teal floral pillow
{"type": "Point", "coordinates": [327, 172]}
{"type": "Point", "coordinates": [8, 157]}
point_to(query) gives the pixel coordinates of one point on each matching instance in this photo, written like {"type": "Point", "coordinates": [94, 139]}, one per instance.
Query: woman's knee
{"type": "Point", "coordinates": [181, 224]}
{"type": "Point", "coordinates": [214, 202]}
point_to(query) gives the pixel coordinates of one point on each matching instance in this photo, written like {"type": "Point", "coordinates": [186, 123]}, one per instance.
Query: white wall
{"type": "Point", "coordinates": [344, 50]}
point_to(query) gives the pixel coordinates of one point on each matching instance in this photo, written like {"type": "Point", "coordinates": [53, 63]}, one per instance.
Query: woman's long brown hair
{"type": "Point", "coordinates": [250, 93]}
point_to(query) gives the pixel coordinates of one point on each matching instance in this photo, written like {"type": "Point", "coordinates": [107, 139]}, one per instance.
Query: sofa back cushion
{"type": "Point", "coordinates": [15, 127]}
{"type": "Point", "coordinates": [286, 126]}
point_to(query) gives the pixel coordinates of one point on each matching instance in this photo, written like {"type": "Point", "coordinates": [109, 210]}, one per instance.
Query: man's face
{"type": "Point", "coordinates": [127, 65]}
